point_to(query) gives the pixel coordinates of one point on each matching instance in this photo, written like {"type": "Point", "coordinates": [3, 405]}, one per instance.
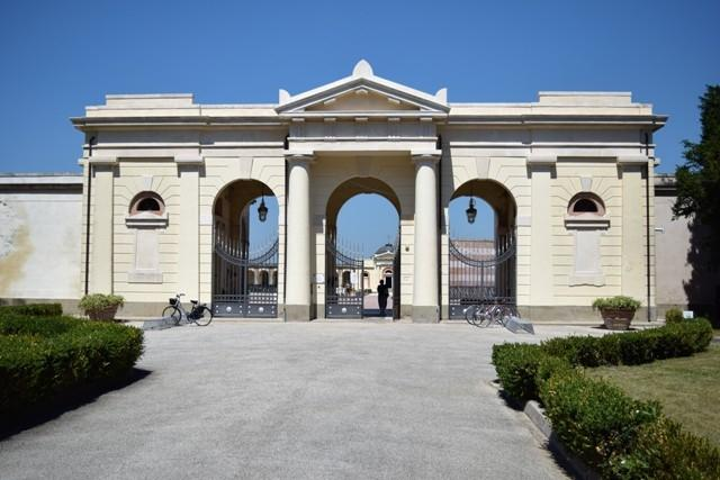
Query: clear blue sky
{"type": "Point", "coordinates": [57, 57]}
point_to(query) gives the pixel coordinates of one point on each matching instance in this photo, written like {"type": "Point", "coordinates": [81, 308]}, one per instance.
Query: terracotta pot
{"type": "Point", "coordinates": [106, 314]}
{"type": "Point", "coordinates": [617, 318]}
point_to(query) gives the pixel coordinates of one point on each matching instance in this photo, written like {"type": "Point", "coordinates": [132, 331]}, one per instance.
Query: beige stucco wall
{"type": "Point", "coordinates": [40, 238]}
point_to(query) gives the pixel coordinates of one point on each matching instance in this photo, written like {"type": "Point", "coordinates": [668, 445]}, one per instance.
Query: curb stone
{"type": "Point", "coordinates": [536, 414]}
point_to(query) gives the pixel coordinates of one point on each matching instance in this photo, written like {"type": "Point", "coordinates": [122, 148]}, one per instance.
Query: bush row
{"type": "Point", "coordinates": [45, 356]}
{"type": "Point", "coordinates": [619, 436]}
{"type": "Point", "coordinates": [518, 364]}
{"type": "Point", "coordinates": [633, 348]}
{"type": "Point", "coordinates": [32, 310]}
{"type": "Point", "coordinates": [622, 437]}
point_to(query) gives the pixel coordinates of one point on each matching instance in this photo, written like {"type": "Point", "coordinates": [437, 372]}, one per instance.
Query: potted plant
{"type": "Point", "coordinates": [617, 312]}
{"type": "Point", "coordinates": [99, 306]}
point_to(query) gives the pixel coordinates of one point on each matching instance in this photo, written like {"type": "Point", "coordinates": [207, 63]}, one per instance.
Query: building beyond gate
{"type": "Point", "coordinates": [168, 185]}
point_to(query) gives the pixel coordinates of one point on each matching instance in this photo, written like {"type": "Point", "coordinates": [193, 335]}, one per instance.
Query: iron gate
{"type": "Point", "coordinates": [477, 278]}
{"type": "Point", "coordinates": [396, 281]}
{"type": "Point", "coordinates": [244, 283]}
{"type": "Point", "coordinates": [342, 299]}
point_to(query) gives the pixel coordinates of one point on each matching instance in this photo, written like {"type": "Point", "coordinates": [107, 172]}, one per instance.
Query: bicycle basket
{"type": "Point", "coordinates": [173, 301]}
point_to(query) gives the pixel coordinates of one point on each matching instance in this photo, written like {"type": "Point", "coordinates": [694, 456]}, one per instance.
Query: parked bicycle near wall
{"type": "Point", "coordinates": [488, 314]}
{"type": "Point", "coordinates": [200, 314]}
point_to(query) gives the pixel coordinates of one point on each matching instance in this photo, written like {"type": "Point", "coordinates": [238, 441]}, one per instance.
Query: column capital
{"type": "Point", "coordinates": [304, 159]}
{"type": "Point", "coordinates": [426, 158]}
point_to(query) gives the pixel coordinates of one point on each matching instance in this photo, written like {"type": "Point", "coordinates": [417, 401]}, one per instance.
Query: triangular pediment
{"type": "Point", "coordinates": [362, 92]}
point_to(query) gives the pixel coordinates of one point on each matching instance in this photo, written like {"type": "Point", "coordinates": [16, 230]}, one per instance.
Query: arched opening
{"type": "Point", "coordinates": [586, 203]}
{"type": "Point", "coordinates": [245, 254]}
{"type": "Point", "coordinates": [147, 202]}
{"type": "Point", "coordinates": [362, 235]}
{"type": "Point", "coordinates": [482, 266]}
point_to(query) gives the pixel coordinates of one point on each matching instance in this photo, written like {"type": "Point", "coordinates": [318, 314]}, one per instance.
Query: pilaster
{"type": "Point", "coordinates": [541, 266]}
{"type": "Point", "coordinates": [634, 246]}
{"type": "Point", "coordinates": [101, 263]}
{"type": "Point", "coordinates": [189, 221]}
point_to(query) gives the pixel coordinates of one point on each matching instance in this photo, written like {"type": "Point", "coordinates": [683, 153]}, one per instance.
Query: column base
{"type": "Point", "coordinates": [425, 314]}
{"type": "Point", "coordinates": [297, 313]}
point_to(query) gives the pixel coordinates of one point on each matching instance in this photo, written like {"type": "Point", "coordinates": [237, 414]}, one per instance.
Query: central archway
{"type": "Point", "coordinates": [351, 271]}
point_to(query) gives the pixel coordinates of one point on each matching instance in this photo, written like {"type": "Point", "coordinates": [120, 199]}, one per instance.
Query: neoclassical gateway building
{"type": "Point", "coordinates": [169, 186]}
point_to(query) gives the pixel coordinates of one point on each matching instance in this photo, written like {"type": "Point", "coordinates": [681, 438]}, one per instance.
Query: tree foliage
{"type": "Point", "coordinates": [698, 179]}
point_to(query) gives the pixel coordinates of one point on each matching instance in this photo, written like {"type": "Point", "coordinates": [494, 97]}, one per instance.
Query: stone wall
{"type": "Point", "coordinates": [40, 238]}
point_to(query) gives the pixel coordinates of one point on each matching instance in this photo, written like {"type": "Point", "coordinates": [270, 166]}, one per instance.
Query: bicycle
{"type": "Point", "coordinates": [200, 313]}
{"type": "Point", "coordinates": [487, 314]}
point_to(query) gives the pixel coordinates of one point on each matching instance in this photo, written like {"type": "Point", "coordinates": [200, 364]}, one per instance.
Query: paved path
{"type": "Point", "coordinates": [319, 400]}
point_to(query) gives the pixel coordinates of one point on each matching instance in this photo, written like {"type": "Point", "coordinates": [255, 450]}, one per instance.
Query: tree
{"type": "Point", "coordinates": [698, 179]}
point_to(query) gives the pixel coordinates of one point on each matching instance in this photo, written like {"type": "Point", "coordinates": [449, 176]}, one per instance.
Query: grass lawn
{"type": "Point", "coordinates": [688, 388]}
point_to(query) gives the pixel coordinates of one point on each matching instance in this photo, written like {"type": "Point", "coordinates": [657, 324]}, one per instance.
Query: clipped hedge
{"type": "Point", "coordinates": [32, 310]}
{"type": "Point", "coordinates": [45, 356]}
{"type": "Point", "coordinates": [593, 418]}
{"type": "Point", "coordinates": [613, 433]}
{"type": "Point", "coordinates": [634, 348]}
{"type": "Point", "coordinates": [521, 366]}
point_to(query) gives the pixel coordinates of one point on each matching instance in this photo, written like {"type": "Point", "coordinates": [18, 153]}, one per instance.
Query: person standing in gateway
{"type": "Point", "coordinates": [383, 295]}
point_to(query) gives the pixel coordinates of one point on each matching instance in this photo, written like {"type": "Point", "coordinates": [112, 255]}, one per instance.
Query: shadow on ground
{"type": "Point", "coordinates": [16, 422]}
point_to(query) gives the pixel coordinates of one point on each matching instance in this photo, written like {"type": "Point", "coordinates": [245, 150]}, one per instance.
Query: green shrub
{"type": "Point", "coordinates": [516, 365]}
{"type": "Point", "coordinates": [620, 302]}
{"type": "Point", "coordinates": [633, 348]}
{"type": "Point", "coordinates": [521, 367]}
{"type": "Point", "coordinates": [593, 418]}
{"type": "Point", "coordinates": [32, 310]}
{"type": "Point", "coordinates": [663, 451]}
{"type": "Point", "coordinates": [615, 434]}
{"type": "Point", "coordinates": [674, 315]}
{"type": "Point", "coordinates": [42, 326]}
{"type": "Point", "coordinates": [43, 357]}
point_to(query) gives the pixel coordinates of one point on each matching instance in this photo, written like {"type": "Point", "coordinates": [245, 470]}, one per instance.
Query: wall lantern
{"type": "Point", "coordinates": [471, 211]}
{"type": "Point", "coordinates": [262, 210]}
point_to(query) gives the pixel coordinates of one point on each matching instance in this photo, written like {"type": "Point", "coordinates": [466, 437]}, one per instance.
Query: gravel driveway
{"type": "Point", "coordinates": [317, 400]}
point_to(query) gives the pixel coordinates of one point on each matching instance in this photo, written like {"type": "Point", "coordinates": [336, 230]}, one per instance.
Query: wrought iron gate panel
{"type": "Point", "coordinates": [396, 280]}
{"type": "Point", "coordinates": [237, 293]}
{"type": "Point", "coordinates": [342, 301]}
{"type": "Point", "coordinates": [476, 281]}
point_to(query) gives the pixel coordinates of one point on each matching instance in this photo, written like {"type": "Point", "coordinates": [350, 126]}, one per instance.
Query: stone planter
{"type": "Point", "coordinates": [104, 315]}
{"type": "Point", "coordinates": [617, 318]}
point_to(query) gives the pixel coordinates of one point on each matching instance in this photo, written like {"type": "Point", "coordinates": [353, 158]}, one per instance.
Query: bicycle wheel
{"type": "Point", "coordinates": [471, 315]}
{"type": "Point", "coordinates": [203, 316]}
{"type": "Point", "coordinates": [172, 312]}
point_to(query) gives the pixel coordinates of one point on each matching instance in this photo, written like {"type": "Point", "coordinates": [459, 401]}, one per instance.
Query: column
{"type": "Point", "coordinates": [101, 261]}
{"type": "Point", "coordinates": [189, 239]}
{"type": "Point", "coordinates": [297, 293]}
{"type": "Point", "coordinates": [425, 275]}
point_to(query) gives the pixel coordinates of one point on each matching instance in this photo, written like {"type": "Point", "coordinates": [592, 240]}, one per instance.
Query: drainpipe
{"type": "Point", "coordinates": [91, 141]}
{"type": "Point", "coordinates": [647, 225]}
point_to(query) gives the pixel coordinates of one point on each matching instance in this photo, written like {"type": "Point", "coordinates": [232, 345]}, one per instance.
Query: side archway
{"type": "Point", "coordinates": [481, 248]}
{"type": "Point", "coordinates": [245, 250]}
